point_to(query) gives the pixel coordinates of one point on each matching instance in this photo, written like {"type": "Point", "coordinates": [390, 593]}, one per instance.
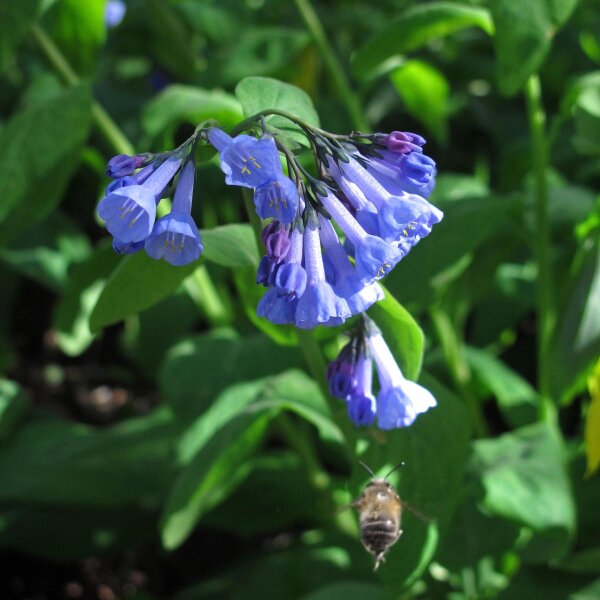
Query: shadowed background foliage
{"type": "Point", "coordinates": [158, 440]}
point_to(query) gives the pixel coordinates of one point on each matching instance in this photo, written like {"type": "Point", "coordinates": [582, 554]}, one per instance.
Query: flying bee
{"type": "Point", "coordinates": [379, 511]}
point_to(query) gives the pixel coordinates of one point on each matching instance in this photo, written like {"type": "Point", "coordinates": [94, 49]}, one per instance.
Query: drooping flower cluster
{"type": "Point", "coordinates": [129, 206]}
{"type": "Point", "coordinates": [350, 377]}
{"type": "Point", "coordinates": [373, 188]}
{"type": "Point", "coordinates": [329, 238]}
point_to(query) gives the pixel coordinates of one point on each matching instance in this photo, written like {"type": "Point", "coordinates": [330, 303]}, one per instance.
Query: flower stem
{"type": "Point", "coordinates": [109, 129]}
{"type": "Point", "coordinates": [458, 367]}
{"type": "Point", "coordinates": [333, 65]}
{"type": "Point", "coordinates": [545, 308]}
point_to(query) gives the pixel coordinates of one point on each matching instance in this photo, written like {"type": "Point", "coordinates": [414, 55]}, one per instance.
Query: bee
{"type": "Point", "coordinates": [379, 511]}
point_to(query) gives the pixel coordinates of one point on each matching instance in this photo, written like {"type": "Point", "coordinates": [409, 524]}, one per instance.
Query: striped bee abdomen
{"type": "Point", "coordinates": [378, 534]}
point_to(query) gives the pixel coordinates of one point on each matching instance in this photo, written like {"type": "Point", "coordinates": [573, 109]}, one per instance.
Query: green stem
{"type": "Point", "coordinates": [204, 293]}
{"type": "Point", "coordinates": [336, 70]}
{"type": "Point", "coordinates": [109, 129]}
{"type": "Point", "coordinates": [458, 367]}
{"type": "Point", "coordinates": [545, 309]}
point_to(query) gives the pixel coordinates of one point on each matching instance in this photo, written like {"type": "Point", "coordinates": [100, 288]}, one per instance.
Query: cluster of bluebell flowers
{"type": "Point", "coordinates": [329, 235]}
{"type": "Point", "coordinates": [371, 190]}
{"type": "Point", "coordinates": [350, 377]}
{"type": "Point", "coordinates": [129, 206]}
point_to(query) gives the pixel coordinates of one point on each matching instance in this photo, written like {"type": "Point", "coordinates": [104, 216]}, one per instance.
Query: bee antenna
{"type": "Point", "coordinates": [400, 464]}
{"type": "Point", "coordinates": [360, 462]}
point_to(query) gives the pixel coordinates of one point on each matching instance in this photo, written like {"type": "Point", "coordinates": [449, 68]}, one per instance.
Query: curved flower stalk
{"type": "Point", "coordinates": [350, 377]}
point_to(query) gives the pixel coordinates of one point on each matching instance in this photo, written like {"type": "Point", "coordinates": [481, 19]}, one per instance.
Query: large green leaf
{"type": "Point", "coordinates": [434, 450]}
{"type": "Point", "coordinates": [349, 590]}
{"type": "Point", "coordinates": [224, 359]}
{"type": "Point", "coordinates": [38, 153]}
{"type": "Point", "coordinates": [442, 256]}
{"type": "Point", "coordinates": [424, 91]}
{"type": "Point", "coordinates": [79, 29]}
{"type": "Point", "coordinates": [415, 27]}
{"type": "Point", "coordinates": [576, 343]}
{"type": "Point", "coordinates": [292, 391]}
{"type": "Point", "coordinates": [215, 471]}
{"type": "Point", "coordinates": [217, 446]}
{"type": "Point", "coordinates": [232, 245]}
{"type": "Point", "coordinates": [15, 20]}
{"type": "Point", "coordinates": [261, 51]}
{"type": "Point", "coordinates": [524, 480]}
{"type": "Point", "coordinates": [84, 286]}
{"type": "Point", "coordinates": [51, 461]}
{"type": "Point", "coordinates": [587, 114]}
{"type": "Point", "coordinates": [524, 32]}
{"type": "Point", "coordinates": [46, 251]}
{"type": "Point", "coordinates": [184, 103]}
{"type": "Point", "coordinates": [401, 332]}
{"type": "Point", "coordinates": [516, 398]}
{"type": "Point", "coordinates": [261, 93]}
{"type": "Point", "coordinates": [136, 284]}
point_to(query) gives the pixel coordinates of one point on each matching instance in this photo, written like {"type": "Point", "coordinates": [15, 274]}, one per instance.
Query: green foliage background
{"type": "Point", "coordinates": [158, 440]}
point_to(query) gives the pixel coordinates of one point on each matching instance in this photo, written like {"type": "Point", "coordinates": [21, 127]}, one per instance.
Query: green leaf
{"type": "Point", "coordinates": [260, 93]}
{"type": "Point", "coordinates": [216, 447]}
{"type": "Point", "coordinates": [292, 391]}
{"type": "Point", "coordinates": [231, 245]}
{"type": "Point", "coordinates": [434, 450]}
{"type": "Point", "coordinates": [136, 284]}
{"type": "Point", "coordinates": [587, 114]}
{"type": "Point", "coordinates": [212, 475]}
{"type": "Point", "coordinates": [524, 480]}
{"type": "Point", "coordinates": [349, 590]}
{"type": "Point", "coordinates": [38, 153]}
{"type": "Point", "coordinates": [401, 332]}
{"type": "Point", "coordinates": [524, 32]}
{"type": "Point", "coordinates": [49, 461]}
{"type": "Point", "coordinates": [79, 30]}
{"type": "Point", "coordinates": [414, 28]}
{"type": "Point", "coordinates": [15, 20]}
{"type": "Point", "coordinates": [516, 398]}
{"type": "Point", "coordinates": [576, 342]}
{"type": "Point", "coordinates": [46, 251]}
{"type": "Point", "coordinates": [439, 258]}
{"type": "Point", "coordinates": [224, 359]}
{"type": "Point", "coordinates": [185, 103]}
{"type": "Point", "coordinates": [261, 51]}
{"type": "Point", "coordinates": [13, 405]}
{"type": "Point", "coordinates": [84, 286]}
{"type": "Point", "coordinates": [249, 511]}
{"type": "Point", "coordinates": [424, 91]}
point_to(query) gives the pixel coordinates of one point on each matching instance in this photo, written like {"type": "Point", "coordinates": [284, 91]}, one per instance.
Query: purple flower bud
{"type": "Point", "coordinates": [276, 239]}
{"type": "Point", "coordinates": [266, 271]}
{"type": "Point", "coordinates": [123, 164]}
{"type": "Point", "coordinates": [403, 142]}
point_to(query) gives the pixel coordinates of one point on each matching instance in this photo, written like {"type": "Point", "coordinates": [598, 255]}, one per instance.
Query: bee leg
{"type": "Point", "coordinates": [378, 560]}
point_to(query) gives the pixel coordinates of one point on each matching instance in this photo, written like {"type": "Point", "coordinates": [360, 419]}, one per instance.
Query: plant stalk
{"type": "Point", "coordinates": [333, 65]}
{"type": "Point", "coordinates": [109, 129]}
{"type": "Point", "coordinates": [541, 245]}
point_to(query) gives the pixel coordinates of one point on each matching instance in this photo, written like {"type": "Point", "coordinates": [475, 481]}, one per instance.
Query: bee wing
{"type": "Point", "coordinates": [415, 512]}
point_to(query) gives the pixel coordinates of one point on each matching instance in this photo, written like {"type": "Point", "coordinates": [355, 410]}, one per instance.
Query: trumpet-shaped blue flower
{"type": "Point", "coordinates": [319, 304]}
{"type": "Point", "coordinates": [277, 198]}
{"type": "Point", "coordinates": [361, 404]}
{"type": "Point", "coordinates": [175, 237]}
{"type": "Point", "coordinates": [245, 160]}
{"type": "Point", "coordinates": [130, 211]}
{"type": "Point", "coordinates": [277, 307]}
{"type": "Point", "coordinates": [399, 401]}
